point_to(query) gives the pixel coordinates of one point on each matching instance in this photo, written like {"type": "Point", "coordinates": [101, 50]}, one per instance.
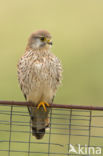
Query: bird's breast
{"type": "Point", "coordinates": [38, 76]}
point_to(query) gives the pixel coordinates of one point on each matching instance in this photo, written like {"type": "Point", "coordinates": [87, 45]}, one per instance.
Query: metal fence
{"type": "Point", "coordinates": [74, 130]}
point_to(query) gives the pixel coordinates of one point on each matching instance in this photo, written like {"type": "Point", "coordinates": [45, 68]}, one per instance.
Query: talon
{"type": "Point", "coordinates": [43, 104]}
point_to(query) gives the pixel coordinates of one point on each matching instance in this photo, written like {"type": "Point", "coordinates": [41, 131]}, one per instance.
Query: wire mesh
{"type": "Point", "coordinates": [77, 127]}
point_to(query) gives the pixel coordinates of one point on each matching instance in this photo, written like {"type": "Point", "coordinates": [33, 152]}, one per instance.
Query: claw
{"type": "Point", "coordinates": [43, 104]}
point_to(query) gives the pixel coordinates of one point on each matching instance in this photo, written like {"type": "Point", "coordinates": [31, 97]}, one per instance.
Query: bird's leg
{"type": "Point", "coordinates": [43, 104]}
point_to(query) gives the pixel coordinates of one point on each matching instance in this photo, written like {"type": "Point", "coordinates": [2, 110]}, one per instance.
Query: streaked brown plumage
{"type": "Point", "coordinates": [39, 75]}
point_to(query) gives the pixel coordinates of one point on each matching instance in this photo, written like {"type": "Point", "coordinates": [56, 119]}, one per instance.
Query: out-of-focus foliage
{"type": "Point", "coordinates": [77, 30]}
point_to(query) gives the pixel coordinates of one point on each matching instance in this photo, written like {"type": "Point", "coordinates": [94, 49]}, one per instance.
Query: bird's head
{"type": "Point", "coordinates": [40, 39]}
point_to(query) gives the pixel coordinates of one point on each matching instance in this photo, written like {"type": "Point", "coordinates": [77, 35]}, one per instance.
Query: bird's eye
{"type": "Point", "coordinates": [42, 38]}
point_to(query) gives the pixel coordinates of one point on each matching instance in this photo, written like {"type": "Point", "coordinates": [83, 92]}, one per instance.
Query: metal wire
{"type": "Point", "coordinates": [10, 130]}
{"type": "Point", "coordinates": [69, 134]}
{"type": "Point", "coordinates": [69, 125]}
{"type": "Point", "coordinates": [29, 142]}
{"type": "Point", "coordinates": [89, 129]}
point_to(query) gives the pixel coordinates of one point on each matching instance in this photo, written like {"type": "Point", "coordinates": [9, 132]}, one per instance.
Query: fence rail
{"type": "Point", "coordinates": [69, 125]}
{"type": "Point", "coordinates": [21, 103]}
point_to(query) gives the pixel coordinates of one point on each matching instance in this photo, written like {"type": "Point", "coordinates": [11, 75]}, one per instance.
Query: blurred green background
{"type": "Point", "coordinates": [77, 30]}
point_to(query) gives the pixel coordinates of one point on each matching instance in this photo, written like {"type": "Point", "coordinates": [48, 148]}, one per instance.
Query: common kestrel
{"type": "Point", "coordinates": [39, 75]}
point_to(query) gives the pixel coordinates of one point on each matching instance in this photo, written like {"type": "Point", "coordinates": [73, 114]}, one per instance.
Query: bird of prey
{"type": "Point", "coordinates": [39, 75]}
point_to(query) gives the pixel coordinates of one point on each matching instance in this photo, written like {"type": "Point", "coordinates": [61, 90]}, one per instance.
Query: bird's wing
{"type": "Point", "coordinates": [24, 69]}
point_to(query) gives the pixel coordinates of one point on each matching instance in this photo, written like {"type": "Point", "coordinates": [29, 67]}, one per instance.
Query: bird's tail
{"type": "Point", "coordinates": [40, 121]}
{"type": "Point", "coordinates": [38, 133]}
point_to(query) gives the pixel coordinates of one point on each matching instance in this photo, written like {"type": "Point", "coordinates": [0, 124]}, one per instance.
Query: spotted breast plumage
{"type": "Point", "coordinates": [39, 75]}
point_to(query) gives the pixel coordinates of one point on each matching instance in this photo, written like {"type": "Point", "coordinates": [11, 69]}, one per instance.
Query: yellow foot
{"type": "Point", "coordinates": [43, 104]}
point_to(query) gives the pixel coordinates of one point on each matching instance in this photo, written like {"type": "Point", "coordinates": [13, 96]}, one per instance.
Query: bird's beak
{"type": "Point", "coordinates": [49, 42]}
